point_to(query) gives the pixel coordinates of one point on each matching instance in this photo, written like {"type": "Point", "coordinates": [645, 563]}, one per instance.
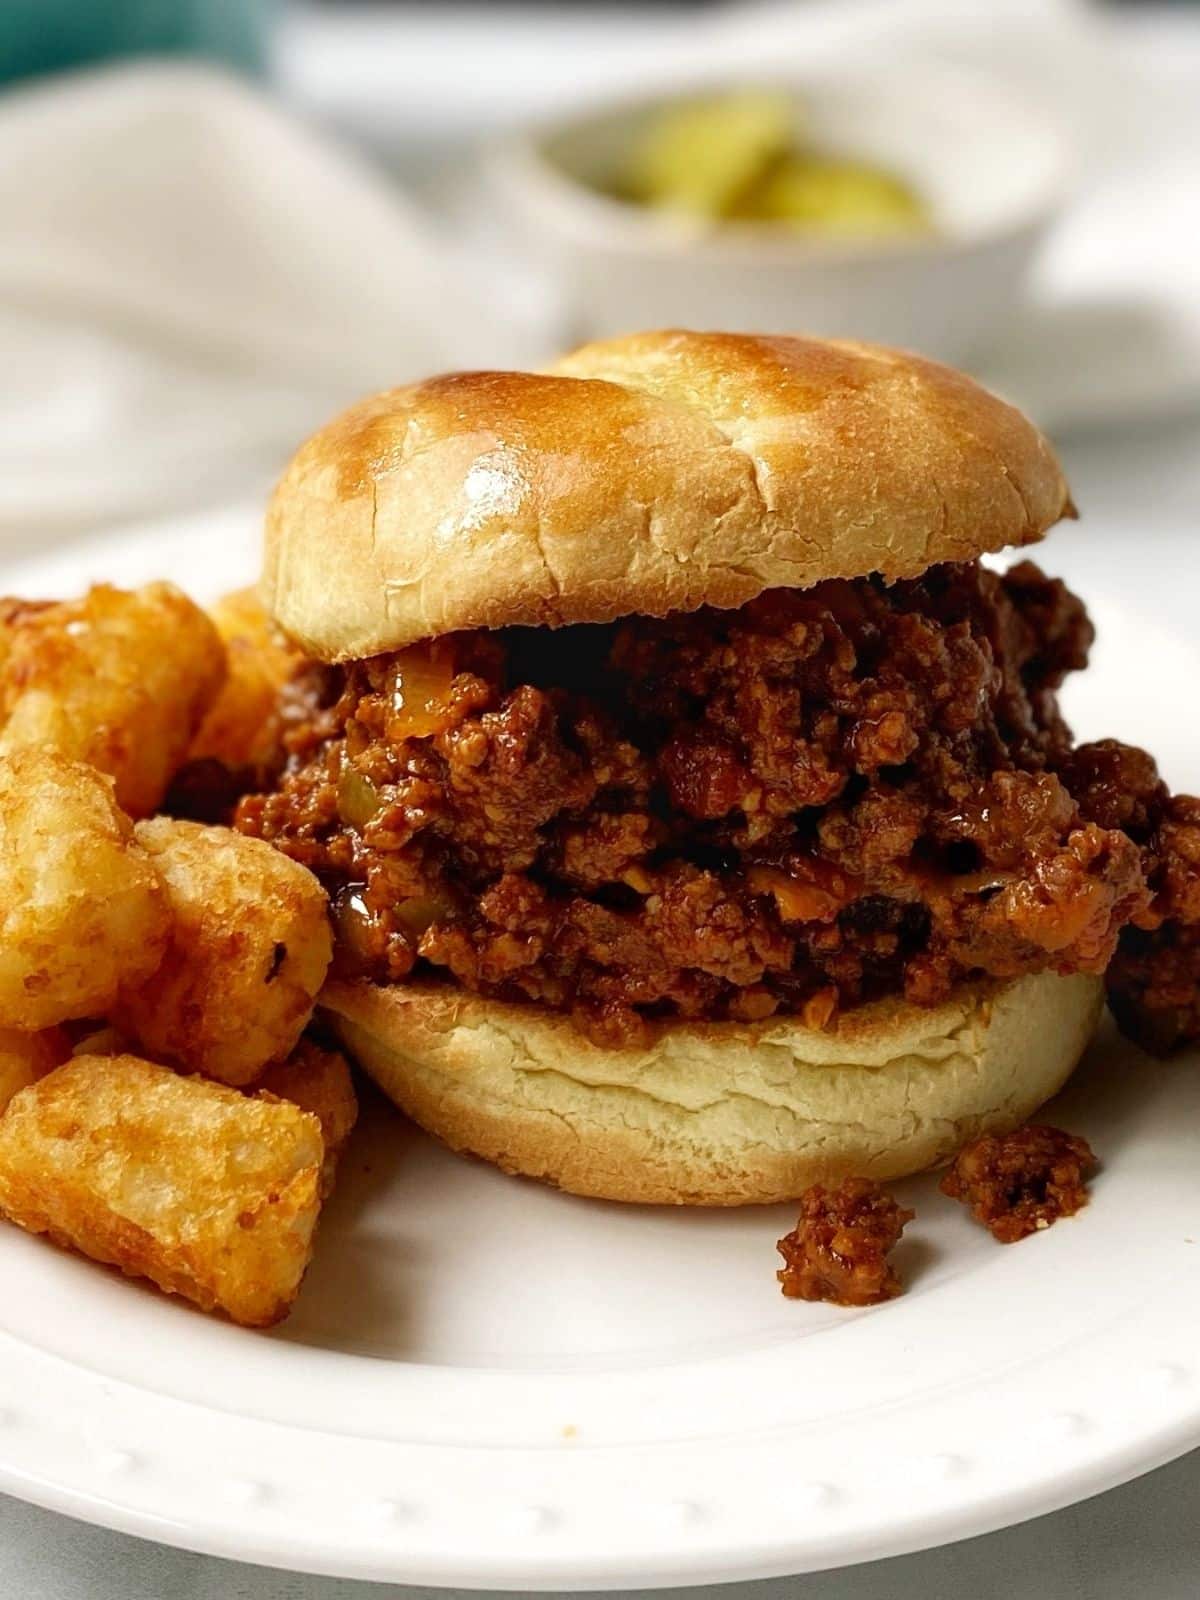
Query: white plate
{"type": "Point", "coordinates": [486, 1383]}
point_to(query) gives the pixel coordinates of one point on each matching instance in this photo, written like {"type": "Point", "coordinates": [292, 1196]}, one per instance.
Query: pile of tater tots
{"type": "Point", "coordinates": [161, 1108]}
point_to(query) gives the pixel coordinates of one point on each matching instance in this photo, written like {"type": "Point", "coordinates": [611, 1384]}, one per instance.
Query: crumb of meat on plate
{"type": "Point", "coordinates": [838, 1250]}
{"type": "Point", "coordinates": [1021, 1182]}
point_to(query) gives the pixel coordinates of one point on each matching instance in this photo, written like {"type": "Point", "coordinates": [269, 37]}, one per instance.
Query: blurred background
{"type": "Point", "coordinates": [224, 218]}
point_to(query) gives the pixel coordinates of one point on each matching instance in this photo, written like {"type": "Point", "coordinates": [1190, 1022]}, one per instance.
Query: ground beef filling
{"type": "Point", "coordinates": [838, 1251]}
{"type": "Point", "coordinates": [1021, 1182]}
{"type": "Point", "coordinates": [822, 797]}
{"type": "Point", "coordinates": [1154, 978]}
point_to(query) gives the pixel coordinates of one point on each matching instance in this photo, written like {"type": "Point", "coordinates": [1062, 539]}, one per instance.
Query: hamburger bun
{"type": "Point", "coordinates": [719, 1113]}
{"type": "Point", "coordinates": [656, 473]}
{"type": "Point", "coordinates": [645, 475]}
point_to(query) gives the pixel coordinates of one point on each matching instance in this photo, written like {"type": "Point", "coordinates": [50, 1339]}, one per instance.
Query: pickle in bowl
{"type": "Point", "coordinates": [743, 157]}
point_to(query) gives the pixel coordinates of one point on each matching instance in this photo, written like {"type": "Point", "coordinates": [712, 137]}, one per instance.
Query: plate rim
{"type": "Point", "coordinates": [525, 1570]}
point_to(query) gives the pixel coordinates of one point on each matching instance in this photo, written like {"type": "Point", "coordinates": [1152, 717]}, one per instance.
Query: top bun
{"type": "Point", "coordinates": [660, 472]}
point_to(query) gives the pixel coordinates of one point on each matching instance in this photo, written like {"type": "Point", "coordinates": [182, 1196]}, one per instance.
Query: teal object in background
{"type": "Point", "coordinates": [41, 36]}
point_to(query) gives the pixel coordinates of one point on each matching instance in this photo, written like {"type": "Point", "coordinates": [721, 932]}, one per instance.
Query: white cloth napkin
{"type": "Point", "coordinates": [189, 280]}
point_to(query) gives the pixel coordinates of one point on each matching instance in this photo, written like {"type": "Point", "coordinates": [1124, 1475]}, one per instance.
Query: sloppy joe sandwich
{"type": "Point", "coordinates": [695, 807]}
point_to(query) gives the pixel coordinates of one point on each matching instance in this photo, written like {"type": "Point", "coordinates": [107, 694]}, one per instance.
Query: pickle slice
{"type": "Point", "coordinates": [833, 196]}
{"type": "Point", "coordinates": [741, 157]}
{"type": "Point", "coordinates": [698, 156]}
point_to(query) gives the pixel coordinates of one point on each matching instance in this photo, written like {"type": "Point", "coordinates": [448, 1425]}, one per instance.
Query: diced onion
{"type": "Point", "coordinates": [358, 799]}
{"type": "Point", "coordinates": [797, 902]}
{"type": "Point", "coordinates": [422, 676]}
{"type": "Point", "coordinates": [419, 913]}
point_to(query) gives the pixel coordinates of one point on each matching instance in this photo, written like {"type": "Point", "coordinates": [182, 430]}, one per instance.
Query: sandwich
{"type": "Point", "coordinates": [696, 810]}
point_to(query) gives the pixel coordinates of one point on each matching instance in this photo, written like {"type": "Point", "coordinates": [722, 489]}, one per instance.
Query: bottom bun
{"type": "Point", "coordinates": [718, 1114]}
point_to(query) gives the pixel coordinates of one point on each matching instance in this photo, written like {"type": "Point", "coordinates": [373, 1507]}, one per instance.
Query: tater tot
{"type": "Point", "coordinates": [241, 729]}
{"type": "Point", "coordinates": [209, 1193]}
{"type": "Point", "coordinates": [118, 679]}
{"type": "Point", "coordinates": [249, 947]}
{"type": "Point", "coordinates": [319, 1081]}
{"type": "Point", "coordinates": [26, 1057]}
{"type": "Point", "coordinates": [103, 1040]}
{"type": "Point", "coordinates": [82, 908]}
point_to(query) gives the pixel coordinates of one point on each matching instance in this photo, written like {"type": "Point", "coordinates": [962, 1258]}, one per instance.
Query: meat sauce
{"type": "Point", "coordinates": [838, 1251]}
{"type": "Point", "coordinates": [1021, 1182]}
{"type": "Point", "coordinates": [822, 797]}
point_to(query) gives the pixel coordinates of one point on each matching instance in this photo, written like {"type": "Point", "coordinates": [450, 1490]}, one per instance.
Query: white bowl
{"type": "Point", "coordinates": [993, 169]}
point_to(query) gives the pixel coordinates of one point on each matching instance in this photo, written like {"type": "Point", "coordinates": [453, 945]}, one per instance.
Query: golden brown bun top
{"type": "Point", "coordinates": [659, 472]}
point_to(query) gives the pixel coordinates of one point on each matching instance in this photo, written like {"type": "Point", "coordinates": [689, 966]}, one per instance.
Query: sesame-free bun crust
{"type": "Point", "coordinates": [718, 1114]}
{"type": "Point", "coordinates": [656, 473]}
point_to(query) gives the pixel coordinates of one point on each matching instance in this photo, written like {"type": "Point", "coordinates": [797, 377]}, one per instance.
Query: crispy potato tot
{"type": "Point", "coordinates": [118, 679]}
{"type": "Point", "coordinates": [81, 904]}
{"type": "Point", "coordinates": [26, 1057]}
{"type": "Point", "coordinates": [102, 1040]}
{"type": "Point", "coordinates": [242, 727]}
{"type": "Point", "coordinates": [209, 1193]}
{"type": "Point", "coordinates": [14, 612]}
{"type": "Point", "coordinates": [319, 1081]}
{"type": "Point", "coordinates": [249, 947]}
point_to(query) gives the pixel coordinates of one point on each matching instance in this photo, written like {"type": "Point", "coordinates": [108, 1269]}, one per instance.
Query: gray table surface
{"type": "Point", "coordinates": [1140, 493]}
